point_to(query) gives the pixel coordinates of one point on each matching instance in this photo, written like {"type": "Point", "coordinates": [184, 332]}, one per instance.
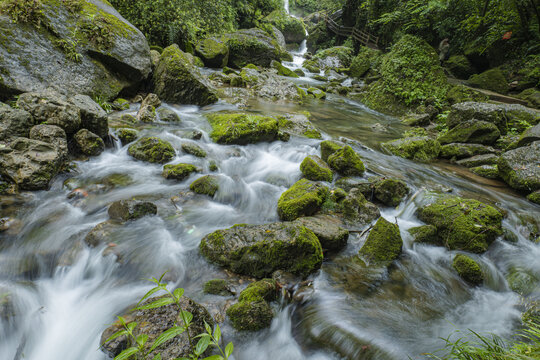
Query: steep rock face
{"type": "Point", "coordinates": [67, 53]}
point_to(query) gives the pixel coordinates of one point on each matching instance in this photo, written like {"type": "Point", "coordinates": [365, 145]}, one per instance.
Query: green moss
{"type": "Point", "coordinates": [282, 70]}
{"type": "Point", "coordinates": [316, 93]}
{"type": "Point", "coordinates": [365, 60]}
{"type": "Point", "coordinates": [213, 52]}
{"type": "Point", "coordinates": [304, 198]}
{"type": "Point", "coordinates": [492, 79]}
{"type": "Point", "coordinates": [250, 316]}
{"type": "Point", "coordinates": [460, 66]}
{"type": "Point", "coordinates": [120, 104]}
{"type": "Point", "coordinates": [194, 150]}
{"type": "Point", "coordinates": [425, 234]}
{"type": "Point", "coordinates": [460, 93]}
{"type": "Point", "coordinates": [521, 281]}
{"type": "Point", "coordinates": [152, 149]}
{"type": "Point", "coordinates": [292, 28]}
{"type": "Point", "coordinates": [252, 66]}
{"type": "Point", "coordinates": [206, 185]}
{"type": "Point", "coordinates": [179, 171]}
{"type": "Point", "coordinates": [416, 148]}
{"type": "Point", "coordinates": [312, 134]}
{"type": "Point", "coordinates": [487, 171]}
{"type": "Point", "coordinates": [472, 131]}
{"type": "Point", "coordinates": [346, 162]}
{"type": "Point", "coordinates": [242, 129]}
{"type": "Point", "coordinates": [390, 192]}
{"type": "Point", "coordinates": [327, 58]}
{"type": "Point", "coordinates": [383, 244]}
{"type": "Point", "coordinates": [415, 132]}
{"type": "Point", "coordinates": [265, 289]}
{"type": "Point", "coordinates": [313, 168]}
{"type": "Point", "coordinates": [463, 224]}
{"type": "Point", "coordinates": [217, 287]}
{"type": "Point", "coordinates": [468, 269]}
{"type": "Point", "coordinates": [329, 147]}
{"type": "Point", "coordinates": [534, 197]}
{"type": "Point", "coordinates": [460, 151]}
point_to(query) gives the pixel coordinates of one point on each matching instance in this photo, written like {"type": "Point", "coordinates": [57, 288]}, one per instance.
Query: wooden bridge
{"type": "Point", "coordinates": [362, 37]}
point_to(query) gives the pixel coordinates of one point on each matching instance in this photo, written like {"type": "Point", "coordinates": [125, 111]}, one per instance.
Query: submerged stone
{"type": "Point", "coordinates": [193, 149]}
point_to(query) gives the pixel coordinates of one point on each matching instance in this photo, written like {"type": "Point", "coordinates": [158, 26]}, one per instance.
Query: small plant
{"type": "Point", "coordinates": [73, 6]}
{"type": "Point", "coordinates": [104, 104]}
{"type": "Point", "coordinates": [23, 11]}
{"type": "Point", "coordinates": [97, 30]}
{"type": "Point", "coordinates": [139, 349]}
{"type": "Point", "coordinates": [69, 47]}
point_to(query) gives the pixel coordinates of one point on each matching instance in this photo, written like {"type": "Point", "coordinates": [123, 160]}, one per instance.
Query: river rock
{"type": "Point", "coordinates": [468, 269]}
{"type": "Point", "coordinates": [335, 57]}
{"type": "Point", "coordinates": [425, 234]}
{"type": "Point", "coordinates": [93, 117]}
{"type": "Point", "coordinates": [534, 197]}
{"type": "Point", "coordinates": [193, 149]}
{"type": "Point", "coordinates": [329, 147]}
{"type": "Point", "coordinates": [461, 150]}
{"type": "Point", "coordinates": [328, 229]}
{"type": "Point", "coordinates": [152, 149]}
{"type": "Point", "coordinates": [472, 131]}
{"type": "Point", "coordinates": [383, 243]}
{"type": "Point", "coordinates": [390, 192]}
{"type": "Point", "coordinates": [529, 136]}
{"type": "Point", "coordinates": [304, 198]}
{"type": "Point", "coordinates": [126, 135]}
{"type": "Point", "coordinates": [177, 80]}
{"type": "Point", "coordinates": [103, 233]}
{"type": "Point", "coordinates": [53, 135]}
{"type": "Point", "coordinates": [14, 122]}
{"type": "Point", "coordinates": [152, 100]}
{"type": "Point", "coordinates": [519, 168]}
{"type": "Point", "coordinates": [478, 160]}
{"type": "Point", "coordinates": [146, 114]}
{"type": "Point", "coordinates": [219, 287]}
{"type": "Point", "coordinates": [259, 250]}
{"type": "Point", "coordinates": [313, 168]}
{"type": "Point", "coordinates": [206, 185]}
{"type": "Point", "coordinates": [282, 70]}
{"type": "Point", "coordinates": [126, 210]}
{"type": "Point", "coordinates": [299, 124]}
{"type": "Point", "coordinates": [356, 209]}
{"type": "Point", "coordinates": [242, 129]}
{"type": "Point", "coordinates": [31, 164]}
{"type": "Point", "coordinates": [346, 162]}
{"type": "Point", "coordinates": [179, 171]}
{"type": "Point", "coordinates": [463, 224]}
{"type": "Point", "coordinates": [414, 148]}
{"type": "Point", "coordinates": [153, 322]}
{"type": "Point", "coordinates": [252, 312]}
{"type": "Point", "coordinates": [213, 52]}
{"type": "Point", "coordinates": [487, 171]}
{"type": "Point", "coordinates": [89, 143]}
{"type": "Point", "coordinates": [168, 115]}
{"type": "Point", "coordinates": [32, 58]}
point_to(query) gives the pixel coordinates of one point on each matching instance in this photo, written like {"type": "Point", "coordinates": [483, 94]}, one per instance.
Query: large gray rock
{"type": "Point", "coordinates": [214, 53]}
{"type": "Point", "coordinates": [93, 117]}
{"type": "Point", "coordinates": [31, 164]}
{"type": "Point", "coordinates": [259, 250]}
{"type": "Point", "coordinates": [53, 135]}
{"type": "Point", "coordinates": [73, 62]}
{"type": "Point", "coordinates": [520, 168]}
{"type": "Point", "coordinates": [89, 143]}
{"type": "Point", "coordinates": [461, 150]}
{"type": "Point", "coordinates": [177, 80]}
{"type": "Point", "coordinates": [14, 122]}
{"type": "Point", "coordinates": [530, 135]}
{"type": "Point", "coordinates": [471, 131]}
{"type": "Point", "coordinates": [328, 229]}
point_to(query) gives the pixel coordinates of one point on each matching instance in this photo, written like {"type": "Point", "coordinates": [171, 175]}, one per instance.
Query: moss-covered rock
{"type": "Point", "coordinates": [120, 104]}
{"type": "Point", "coordinates": [492, 79]}
{"type": "Point", "coordinates": [468, 269]}
{"type": "Point", "coordinates": [291, 27]}
{"type": "Point", "coordinates": [461, 93]}
{"type": "Point", "coordinates": [328, 230]}
{"type": "Point", "coordinates": [259, 250]}
{"type": "Point", "coordinates": [282, 70]}
{"type": "Point", "coordinates": [365, 60]}
{"type": "Point", "coordinates": [460, 150]}
{"type": "Point", "coordinates": [316, 93]}
{"type": "Point", "coordinates": [522, 281]}
{"type": "Point", "coordinates": [519, 168]}
{"type": "Point", "coordinates": [304, 198]}
{"type": "Point", "coordinates": [329, 147]}
{"type": "Point", "coordinates": [472, 131]}
{"type": "Point", "coordinates": [460, 66]}
{"type": "Point", "coordinates": [529, 136]}
{"type": "Point", "coordinates": [193, 149]}
{"type": "Point", "coordinates": [147, 114]}
{"type": "Point", "coordinates": [334, 57]}
{"type": "Point", "coordinates": [425, 234]}
{"type": "Point", "coordinates": [126, 210]}
{"type": "Point", "coordinates": [177, 80]}
{"type": "Point", "coordinates": [167, 115]}
{"type": "Point", "coordinates": [478, 160]}
{"type": "Point", "coordinates": [383, 244]}
{"type": "Point", "coordinates": [250, 316]}
{"type": "Point", "coordinates": [214, 53]}
{"type": "Point", "coordinates": [152, 149]}
{"type": "Point", "coordinates": [532, 96]}
{"type": "Point", "coordinates": [242, 129]}
{"type": "Point", "coordinates": [89, 143]}
{"type": "Point", "coordinates": [355, 208]}
{"type": "Point", "coordinates": [265, 289]}
{"type": "Point", "coordinates": [206, 185]}
{"type": "Point", "coordinates": [219, 287]}
{"type": "Point", "coordinates": [486, 171]}
{"type": "Point", "coordinates": [422, 149]}
{"type": "Point", "coordinates": [178, 171]}
{"type": "Point", "coordinates": [126, 135]}
{"type": "Point", "coordinates": [534, 197]}
{"type": "Point", "coordinates": [390, 192]}
{"type": "Point", "coordinates": [313, 168]}
{"type": "Point", "coordinates": [463, 224]}
{"type": "Point", "coordinates": [346, 162]}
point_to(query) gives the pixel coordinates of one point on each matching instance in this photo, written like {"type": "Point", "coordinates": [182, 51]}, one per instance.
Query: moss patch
{"type": "Point", "coordinates": [242, 129]}
{"type": "Point", "coordinates": [179, 171]}
{"type": "Point", "coordinates": [468, 269]}
{"type": "Point", "coordinates": [206, 185]}
{"type": "Point", "coordinates": [304, 198]}
{"type": "Point", "coordinates": [383, 244]}
{"type": "Point", "coordinates": [313, 168]}
{"type": "Point", "coordinates": [152, 149]}
{"type": "Point", "coordinates": [346, 162]}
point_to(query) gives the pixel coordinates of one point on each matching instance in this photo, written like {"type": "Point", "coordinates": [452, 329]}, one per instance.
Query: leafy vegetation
{"type": "Point", "coordinates": [23, 11]}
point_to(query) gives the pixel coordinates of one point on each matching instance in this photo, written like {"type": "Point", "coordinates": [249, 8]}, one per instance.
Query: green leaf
{"type": "Point", "coordinates": [149, 293]}
{"type": "Point", "coordinates": [116, 335]}
{"type": "Point", "coordinates": [156, 304]}
{"type": "Point", "coordinates": [122, 320]}
{"type": "Point", "coordinates": [157, 357]}
{"type": "Point", "coordinates": [214, 357]}
{"type": "Point", "coordinates": [208, 328]}
{"type": "Point", "coordinates": [131, 326]}
{"type": "Point", "coordinates": [167, 335]}
{"type": "Point", "coordinates": [126, 354]}
{"type": "Point", "coordinates": [202, 345]}
{"type": "Point", "coordinates": [178, 293]}
{"type": "Point", "coordinates": [229, 349]}
{"type": "Point", "coordinates": [187, 317]}
{"type": "Point", "coordinates": [217, 333]}
{"type": "Point", "coordinates": [142, 339]}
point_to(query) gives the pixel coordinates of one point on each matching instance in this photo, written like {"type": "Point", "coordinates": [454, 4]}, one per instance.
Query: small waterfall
{"type": "Point", "coordinates": [286, 5]}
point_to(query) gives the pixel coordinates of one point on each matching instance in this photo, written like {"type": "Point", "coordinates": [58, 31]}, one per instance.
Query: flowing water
{"type": "Point", "coordinates": [62, 293]}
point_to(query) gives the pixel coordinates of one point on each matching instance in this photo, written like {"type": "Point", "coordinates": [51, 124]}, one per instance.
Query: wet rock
{"type": "Point", "coordinates": [416, 119]}
{"type": "Point", "coordinates": [492, 79]}
{"type": "Point", "coordinates": [153, 322]}
{"type": "Point", "coordinates": [468, 269]}
{"type": "Point", "coordinates": [460, 66]}
{"type": "Point", "coordinates": [316, 93]}
{"type": "Point", "coordinates": [390, 192]}
{"type": "Point", "coordinates": [486, 171]}
{"type": "Point", "coordinates": [425, 234]}
{"type": "Point", "coordinates": [522, 281]}
{"type": "Point", "coordinates": [383, 244]}
{"type": "Point", "coordinates": [30, 164]}
{"type": "Point", "coordinates": [177, 80]}
{"type": "Point", "coordinates": [179, 171]}
{"type": "Point", "coordinates": [519, 168]}
{"type": "Point", "coordinates": [120, 104]}
{"type": "Point", "coordinates": [89, 143]}
{"type": "Point", "coordinates": [259, 250]}
{"type": "Point", "coordinates": [93, 117]}
{"type": "Point", "coordinates": [529, 136]}
{"type": "Point", "coordinates": [463, 224]}
{"type": "Point", "coordinates": [152, 149]}
{"type": "Point", "coordinates": [206, 185]}
{"type": "Point", "coordinates": [282, 70]}
{"type": "Point", "coordinates": [299, 124]}
{"type": "Point", "coordinates": [346, 162]}
{"type": "Point", "coordinates": [219, 287]}
{"type": "Point", "coordinates": [365, 186]}
{"type": "Point", "coordinates": [304, 198]}
{"type": "Point", "coordinates": [151, 100]}
{"type": "Point", "coordinates": [252, 312]}
{"type": "Point", "coordinates": [313, 168]}
{"type": "Point", "coordinates": [335, 57]}
{"type": "Point", "coordinates": [414, 148]}
{"type": "Point", "coordinates": [478, 160]}
{"type": "Point", "coordinates": [460, 150]}
{"type": "Point", "coordinates": [14, 122]}
{"type": "Point", "coordinates": [477, 132]}
{"type": "Point", "coordinates": [328, 230]}
{"type": "Point", "coordinates": [534, 197]}
{"type": "Point", "coordinates": [126, 210]}
{"type": "Point", "coordinates": [102, 233]}
{"type": "Point", "coordinates": [126, 135]}
{"type": "Point", "coordinates": [53, 135]}
{"type": "Point", "coordinates": [242, 129]}
{"type": "Point", "coordinates": [194, 150]}
{"type": "Point", "coordinates": [357, 210]}
{"type": "Point", "coordinates": [329, 147]}
{"type": "Point", "coordinates": [167, 115]}
{"type": "Point", "coordinates": [532, 96]}
{"type": "Point", "coordinates": [147, 114]}
{"type": "Point", "coordinates": [214, 53]}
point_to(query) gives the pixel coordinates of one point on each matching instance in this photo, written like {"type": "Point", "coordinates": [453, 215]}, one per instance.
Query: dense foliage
{"type": "Point", "coordinates": [311, 6]}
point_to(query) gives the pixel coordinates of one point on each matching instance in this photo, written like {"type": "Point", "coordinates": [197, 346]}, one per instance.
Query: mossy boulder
{"type": "Point", "coordinates": [126, 210]}
{"type": "Point", "coordinates": [194, 149]}
{"type": "Point", "coordinates": [478, 160]}
{"type": "Point", "coordinates": [120, 104]}
{"type": "Point", "coordinates": [167, 115]}
{"type": "Point", "coordinates": [152, 149]}
{"type": "Point", "coordinates": [390, 192]}
{"type": "Point", "coordinates": [242, 129]}
{"type": "Point", "coordinates": [461, 150]}
{"type": "Point", "coordinates": [259, 250]}
{"type": "Point", "coordinates": [214, 53]}
{"type": "Point", "coordinates": [206, 185]}
{"type": "Point", "coordinates": [463, 224]}
{"type": "Point", "coordinates": [298, 124]}
{"type": "Point", "coordinates": [282, 70]}
{"type": "Point", "coordinates": [461, 93]}
{"type": "Point", "coordinates": [355, 208]}
{"type": "Point", "coordinates": [53, 135]}
{"type": "Point", "coordinates": [177, 80]}
{"type": "Point", "coordinates": [291, 27]}
{"type": "Point", "coordinates": [486, 171]}
{"type": "Point", "coordinates": [365, 60]}
{"type": "Point", "coordinates": [313, 168]}
{"type": "Point", "coordinates": [89, 143]}
{"type": "Point", "coordinates": [529, 136]}
{"type": "Point", "coordinates": [519, 168]}
{"type": "Point", "coordinates": [346, 162]}
{"type": "Point", "coordinates": [328, 229]}
{"type": "Point", "coordinates": [179, 171]}
{"type": "Point", "coordinates": [425, 234]}
{"type": "Point", "coordinates": [492, 79]}
{"type": "Point", "coordinates": [304, 198]}
{"type": "Point", "coordinates": [534, 197]}
{"type": "Point", "coordinates": [329, 147]}
{"type": "Point", "coordinates": [422, 148]}
{"type": "Point", "coordinates": [472, 131]}
{"type": "Point", "coordinates": [522, 281]}
{"type": "Point", "coordinates": [147, 114]}
{"type": "Point", "coordinates": [126, 135]}
{"type": "Point", "coordinates": [331, 58]}
{"type": "Point", "coordinates": [219, 287]}
{"type": "Point", "coordinates": [532, 96]}
{"type": "Point", "coordinates": [468, 269]}
{"type": "Point", "coordinates": [383, 244]}
{"type": "Point", "coordinates": [316, 93]}
{"type": "Point", "coordinates": [460, 66]}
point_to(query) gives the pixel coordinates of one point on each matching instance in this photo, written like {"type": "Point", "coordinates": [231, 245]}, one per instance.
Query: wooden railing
{"type": "Point", "coordinates": [362, 37]}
